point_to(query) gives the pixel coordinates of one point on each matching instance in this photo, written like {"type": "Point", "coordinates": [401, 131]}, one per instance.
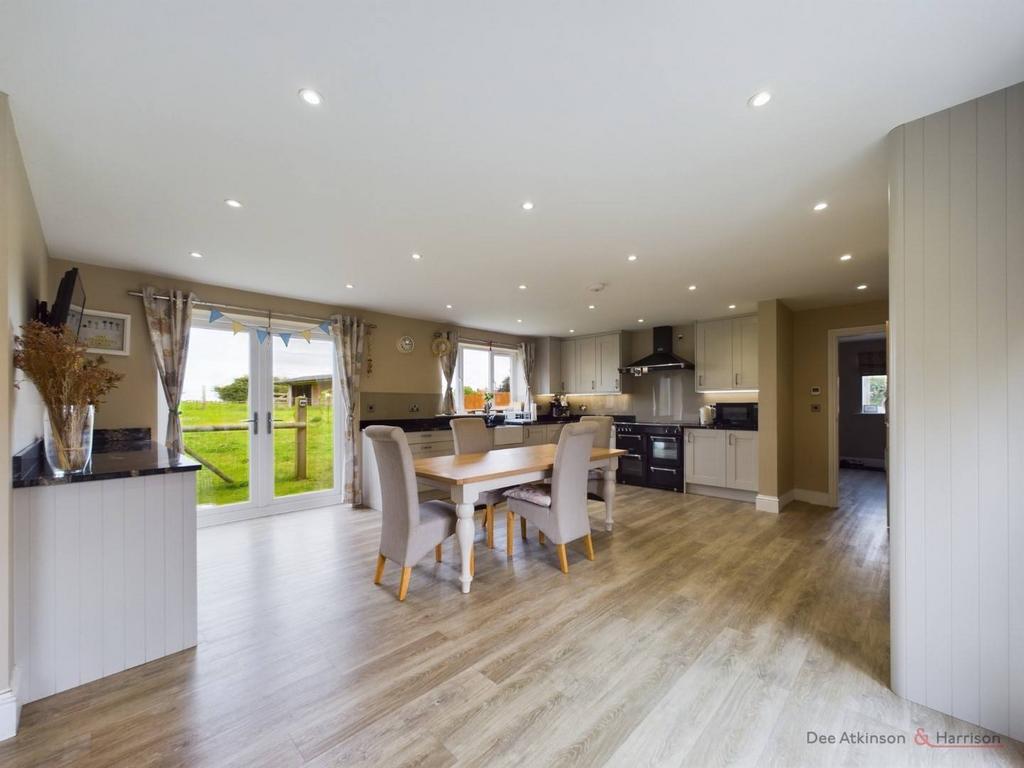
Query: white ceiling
{"type": "Point", "coordinates": [625, 123]}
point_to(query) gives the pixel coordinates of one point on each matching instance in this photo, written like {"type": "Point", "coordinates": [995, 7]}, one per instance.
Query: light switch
{"type": "Point", "coordinates": [815, 391]}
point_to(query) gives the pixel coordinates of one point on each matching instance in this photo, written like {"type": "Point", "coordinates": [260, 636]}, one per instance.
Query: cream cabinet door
{"type": "Point", "coordinates": [569, 366]}
{"type": "Point", "coordinates": [744, 352]}
{"type": "Point", "coordinates": [586, 374]}
{"type": "Point", "coordinates": [609, 358]}
{"type": "Point", "coordinates": [535, 435]}
{"type": "Point", "coordinates": [714, 355]}
{"type": "Point", "coordinates": [704, 457]}
{"type": "Point", "coordinates": [553, 432]}
{"type": "Point", "coordinates": [741, 460]}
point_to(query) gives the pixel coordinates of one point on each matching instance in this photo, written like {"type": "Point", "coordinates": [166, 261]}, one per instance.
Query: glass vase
{"type": "Point", "coordinates": [67, 439]}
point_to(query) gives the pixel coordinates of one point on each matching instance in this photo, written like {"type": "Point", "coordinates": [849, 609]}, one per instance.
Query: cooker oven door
{"type": "Point", "coordinates": [666, 450]}
{"type": "Point", "coordinates": [665, 477]}
{"type": "Point", "coordinates": [631, 469]}
{"type": "Point", "coordinates": [630, 442]}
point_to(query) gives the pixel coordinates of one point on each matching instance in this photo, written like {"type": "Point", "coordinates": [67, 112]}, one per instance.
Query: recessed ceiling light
{"type": "Point", "coordinates": [631, 257]}
{"type": "Point", "coordinates": [311, 97]}
{"type": "Point", "coordinates": [447, 306]}
{"type": "Point", "coordinates": [416, 256]}
{"type": "Point", "coordinates": [527, 206]}
{"type": "Point", "coordinates": [732, 306]}
{"type": "Point", "coordinates": [759, 99]}
{"type": "Point", "coordinates": [572, 330]}
{"type": "Point", "coordinates": [862, 287]}
{"type": "Point", "coordinates": [820, 206]}
{"type": "Point", "coordinates": [639, 319]}
{"type": "Point", "coordinates": [196, 255]}
{"type": "Point", "coordinates": [591, 306]}
{"type": "Point", "coordinates": [846, 257]}
{"type": "Point", "coordinates": [349, 285]}
{"type": "Point", "coordinates": [518, 320]}
{"type": "Point", "coordinates": [522, 287]}
{"type": "Point", "coordinates": [232, 203]}
{"type": "Point", "coordinates": [693, 287]}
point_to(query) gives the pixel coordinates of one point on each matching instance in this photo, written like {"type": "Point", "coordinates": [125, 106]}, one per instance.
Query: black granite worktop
{"type": "Point", "coordinates": [440, 423]}
{"type": "Point", "coordinates": [136, 460]}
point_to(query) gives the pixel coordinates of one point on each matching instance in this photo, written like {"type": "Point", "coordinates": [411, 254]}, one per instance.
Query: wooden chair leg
{"type": "Point", "coordinates": [563, 559]}
{"type": "Point", "coordinates": [490, 526]}
{"type": "Point", "coordinates": [380, 569]}
{"type": "Point", "coordinates": [437, 553]}
{"type": "Point", "coordinates": [403, 585]}
{"type": "Point", "coordinates": [522, 526]}
{"type": "Point", "coordinates": [510, 526]}
{"type": "Point", "coordinates": [540, 536]}
{"type": "Point", "coordinates": [588, 545]}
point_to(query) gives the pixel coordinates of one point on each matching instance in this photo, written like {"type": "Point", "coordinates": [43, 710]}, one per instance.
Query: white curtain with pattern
{"type": "Point", "coordinates": [349, 337]}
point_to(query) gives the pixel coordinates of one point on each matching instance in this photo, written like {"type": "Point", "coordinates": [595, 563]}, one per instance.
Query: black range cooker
{"type": "Point", "coordinates": [655, 455]}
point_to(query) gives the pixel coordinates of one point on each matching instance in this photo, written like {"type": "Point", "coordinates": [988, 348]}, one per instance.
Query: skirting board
{"type": "Point", "coordinates": [774, 504]}
{"type": "Point", "coordinates": [10, 709]}
{"type": "Point", "coordinates": [720, 493]}
{"type": "Point", "coordinates": [818, 498]}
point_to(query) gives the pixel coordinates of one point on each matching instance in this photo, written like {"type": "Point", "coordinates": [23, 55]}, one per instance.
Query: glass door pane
{"type": "Point", "coordinates": [216, 413]}
{"type": "Point", "coordinates": [303, 407]}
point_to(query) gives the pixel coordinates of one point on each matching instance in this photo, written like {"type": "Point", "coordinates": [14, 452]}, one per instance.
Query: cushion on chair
{"type": "Point", "coordinates": [533, 494]}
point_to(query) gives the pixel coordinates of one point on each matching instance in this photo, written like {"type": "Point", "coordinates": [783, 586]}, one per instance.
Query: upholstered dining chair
{"type": "Point", "coordinates": [471, 436]}
{"type": "Point", "coordinates": [559, 509]}
{"type": "Point", "coordinates": [602, 439]}
{"type": "Point", "coordinates": [409, 529]}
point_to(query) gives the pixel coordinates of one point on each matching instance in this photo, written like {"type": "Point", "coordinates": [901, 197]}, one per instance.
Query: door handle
{"type": "Point", "coordinates": [255, 421]}
{"type": "Point", "coordinates": [270, 422]}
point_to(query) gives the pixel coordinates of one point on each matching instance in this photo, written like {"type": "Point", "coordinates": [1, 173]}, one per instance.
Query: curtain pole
{"type": "Point", "coordinates": [251, 310]}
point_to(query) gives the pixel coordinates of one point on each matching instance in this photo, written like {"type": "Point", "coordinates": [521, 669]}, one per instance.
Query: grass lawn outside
{"type": "Point", "coordinates": [229, 451]}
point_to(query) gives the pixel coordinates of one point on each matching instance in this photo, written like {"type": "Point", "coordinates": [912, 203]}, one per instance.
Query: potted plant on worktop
{"type": "Point", "coordinates": [70, 385]}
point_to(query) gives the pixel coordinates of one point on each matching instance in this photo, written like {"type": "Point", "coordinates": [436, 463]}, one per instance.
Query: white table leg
{"type": "Point", "coordinates": [464, 530]}
{"type": "Point", "coordinates": [609, 495]}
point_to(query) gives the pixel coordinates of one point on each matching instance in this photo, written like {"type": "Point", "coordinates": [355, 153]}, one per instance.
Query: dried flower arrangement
{"type": "Point", "coordinates": [68, 383]}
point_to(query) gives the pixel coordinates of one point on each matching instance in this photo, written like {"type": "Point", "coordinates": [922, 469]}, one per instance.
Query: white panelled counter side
{"type": "Point", "coordinates": [104, 567]}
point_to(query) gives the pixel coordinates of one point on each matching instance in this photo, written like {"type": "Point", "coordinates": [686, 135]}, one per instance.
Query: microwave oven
{"type": "Point", "coordinates": [736, 415]}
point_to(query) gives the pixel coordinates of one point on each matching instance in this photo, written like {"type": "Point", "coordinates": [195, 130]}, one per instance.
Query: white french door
{"type": "Point", "coordinates": [259, 415]}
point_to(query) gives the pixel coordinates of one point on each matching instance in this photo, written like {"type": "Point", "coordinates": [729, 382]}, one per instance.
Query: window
{"type": "Point", "coordinates": [873, 391]}
{"type": "Point", "coordinates": [486, 375]}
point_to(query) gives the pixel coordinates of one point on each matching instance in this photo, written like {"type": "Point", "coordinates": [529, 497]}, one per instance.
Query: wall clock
{"type": "Point", "coordinates": [406, 344]}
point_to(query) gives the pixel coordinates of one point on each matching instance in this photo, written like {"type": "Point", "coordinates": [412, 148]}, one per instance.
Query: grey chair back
{"type": "Point", "coordinates": [470, 435]}
{"type": "Point", "coordinates": [605, 431]}
{"type": "Point", "coordinates": [572, 456]}
{"type": "Point", "coordinates": [400, 502]}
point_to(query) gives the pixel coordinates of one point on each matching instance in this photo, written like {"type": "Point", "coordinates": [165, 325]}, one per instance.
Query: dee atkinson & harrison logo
{"type": "Point", "coordinates": [934, 740]}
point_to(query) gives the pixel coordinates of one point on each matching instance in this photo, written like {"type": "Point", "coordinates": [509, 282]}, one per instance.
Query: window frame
{"type": "Point", "coordinates": [515, 390]}
{"type": "Point", "coordinates": [879, 410]}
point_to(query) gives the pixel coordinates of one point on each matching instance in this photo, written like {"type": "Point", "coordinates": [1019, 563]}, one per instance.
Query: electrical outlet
{"type": "Point", "coordinates": [414, 408]}
{"type": "Point", "coordinates": [815, 407]}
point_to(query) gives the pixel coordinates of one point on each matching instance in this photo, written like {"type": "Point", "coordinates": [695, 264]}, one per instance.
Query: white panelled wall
{"type": "Point", "coordinates": [956, 304]}
{"type": "Point", "coordinates": [104, 578]}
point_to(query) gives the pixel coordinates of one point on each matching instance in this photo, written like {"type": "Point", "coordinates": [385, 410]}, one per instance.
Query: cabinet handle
{"type": "Point", "coordinates": [737, 379]}
{"type": "Point", "coordinates": [616, 383]}
{"type": "Point", "coordinates": [700, 380]}
{"type": "Point", "coordinates": [593, 384]}
{"type": "Point", "coordinates": [731, 436]}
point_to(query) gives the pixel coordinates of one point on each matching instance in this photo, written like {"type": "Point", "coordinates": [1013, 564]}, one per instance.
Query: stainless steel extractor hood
{"type": "Point", "coordinates": [662, 359]}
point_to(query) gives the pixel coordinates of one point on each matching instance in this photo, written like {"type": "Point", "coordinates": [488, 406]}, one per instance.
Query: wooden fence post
{"type": "Point", "coordinates": [300, 438]}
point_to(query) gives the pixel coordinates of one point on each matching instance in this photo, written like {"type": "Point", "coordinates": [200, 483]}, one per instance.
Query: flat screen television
{"type": "Point", "coordinates": [67, 306]}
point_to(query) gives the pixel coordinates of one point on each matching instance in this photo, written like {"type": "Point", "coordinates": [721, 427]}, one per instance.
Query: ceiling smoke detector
{"type": "Point", "coordinates": [597, 287]}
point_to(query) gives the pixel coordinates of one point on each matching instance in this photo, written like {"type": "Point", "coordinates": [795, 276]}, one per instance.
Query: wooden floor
{"type": "Point", "coordinates": [704, 634]}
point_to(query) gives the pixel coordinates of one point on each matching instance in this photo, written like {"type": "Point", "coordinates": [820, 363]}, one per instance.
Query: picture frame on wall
{"type": "Point", "coordinates": [106, 333]}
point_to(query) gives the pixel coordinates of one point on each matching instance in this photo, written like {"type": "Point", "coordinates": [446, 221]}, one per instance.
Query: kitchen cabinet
{"type": "Point", "coordinates": [609, 360]}
{"type": "Point", "coordinates": [548, 368]}
{"type": "Point", "coordinates": [704, 457]}
{"type": "Point", "coordinates": [553, 432]}
{"type": "Point", "coordinates": [721, 458]}
{"type": "Point", "coordinates": [741, 460]}
{"type": "Point", "coordinates": [726, 354]}
{"type": "Point", "coordinates": [590, 364]}
{"type": "Point", "coordinates": [421, 445]}
{"type": "Point", "coordinates": [568, 365]}
{"type": "Point", "coordinates": [744, 352]}
{"type": "Point", "coordinates": [535, 434]}
{"type": "Point", "coordinates": [586, 360]}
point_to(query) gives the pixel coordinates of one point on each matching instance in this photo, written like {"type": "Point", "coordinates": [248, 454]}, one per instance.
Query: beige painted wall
{"type": "Point", "coordinates": [135, 401]}
{"type": "Point", "coordinates": [775, 414]}
{"type": "Point", "coordinates": [810, 368]}
{"type": "Point", "coordinates": [22, 281]}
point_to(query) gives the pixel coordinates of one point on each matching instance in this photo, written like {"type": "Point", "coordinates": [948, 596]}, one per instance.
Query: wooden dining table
{"type": "Point", "coordinates": [465, 476]}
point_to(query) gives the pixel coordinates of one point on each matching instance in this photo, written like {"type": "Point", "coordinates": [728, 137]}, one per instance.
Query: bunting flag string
{"type": "Point", "coordinates": [263, 332]}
